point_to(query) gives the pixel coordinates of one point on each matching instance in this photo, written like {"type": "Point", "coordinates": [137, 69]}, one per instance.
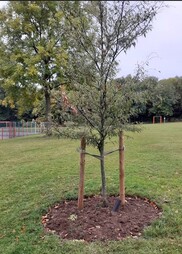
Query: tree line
{"type": "Point", "coordinates": [160, 98]}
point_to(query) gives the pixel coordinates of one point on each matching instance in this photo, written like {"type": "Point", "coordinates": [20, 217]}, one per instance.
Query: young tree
{"type": "Point", "coordinates": [110, 28]}
{"type": "Point", "coordinates": [35, 50]}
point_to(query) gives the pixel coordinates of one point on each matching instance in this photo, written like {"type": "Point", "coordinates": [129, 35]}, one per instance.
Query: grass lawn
{"type": "Point", "coordinates": [36, 172]}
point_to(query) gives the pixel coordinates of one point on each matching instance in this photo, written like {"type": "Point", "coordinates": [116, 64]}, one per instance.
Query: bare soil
{"type": "Point", "coordinates": [95, 222]}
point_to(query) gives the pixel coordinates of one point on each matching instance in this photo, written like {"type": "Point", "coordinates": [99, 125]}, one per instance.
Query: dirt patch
{"type": "Point", "coordinates": [97, 223]}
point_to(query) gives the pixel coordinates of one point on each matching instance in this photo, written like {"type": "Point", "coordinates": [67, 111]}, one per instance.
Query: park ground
{"type": "Point", "coordinates": [37, 172]}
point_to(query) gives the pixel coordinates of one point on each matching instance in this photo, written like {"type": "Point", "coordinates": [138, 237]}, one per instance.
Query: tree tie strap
{"type": "Point", "coordinates": [98, 156]}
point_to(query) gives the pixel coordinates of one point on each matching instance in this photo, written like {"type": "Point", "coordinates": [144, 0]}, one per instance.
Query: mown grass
{"type": "Point", "coordinates": [36, 172]}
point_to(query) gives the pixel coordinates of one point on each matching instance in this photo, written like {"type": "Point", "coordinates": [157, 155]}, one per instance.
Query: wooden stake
{"type": "Point", "coordinates": [82, 169]}
{"type": "Point", "coordinates": [121, 169]}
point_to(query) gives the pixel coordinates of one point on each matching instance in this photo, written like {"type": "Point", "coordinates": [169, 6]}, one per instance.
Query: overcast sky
{"type": "Point", "coordinates": [162, 46]}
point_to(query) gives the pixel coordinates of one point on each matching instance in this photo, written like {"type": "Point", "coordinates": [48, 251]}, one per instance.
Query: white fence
{"type": "Point", "coordinates": [18, 129]}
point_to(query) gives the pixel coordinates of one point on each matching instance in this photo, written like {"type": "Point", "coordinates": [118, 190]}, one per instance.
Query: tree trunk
{"type": "Point", "coordinates": [82, 169]}
{"type": "Point", "coordinates": [47, 112]}
{"type": "Point", "coordinates": [121, 169]}
{"type": "Point", "coordinates": [103, 175]}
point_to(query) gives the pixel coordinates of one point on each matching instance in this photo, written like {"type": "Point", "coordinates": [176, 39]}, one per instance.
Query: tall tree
{"type": "Point", "coordinates": [34, 54]}
{"type": "Point", "coordinates": [110, 28]}
{"type": "Point", "coordinates": [178, 105]}
{"type": "Point", "coordinates": [172, 96]}
{"type": "Point", "coordinates": [164, 97]}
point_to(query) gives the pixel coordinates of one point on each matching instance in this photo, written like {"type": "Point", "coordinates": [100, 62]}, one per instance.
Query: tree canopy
{"type": "Point", "coordinates": [110, 28]}
{"type": "Point", "coordinates": [34, 48]}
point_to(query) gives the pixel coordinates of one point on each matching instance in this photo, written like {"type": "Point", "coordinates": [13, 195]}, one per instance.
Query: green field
{"type": "Point", "coordinates": [36, 172]}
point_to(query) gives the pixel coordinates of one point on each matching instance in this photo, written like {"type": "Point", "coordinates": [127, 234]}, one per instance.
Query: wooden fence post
{"type": "Point", "coordinates": [121, 169]}
{"type": "Point", "coordinates": [82, 169]}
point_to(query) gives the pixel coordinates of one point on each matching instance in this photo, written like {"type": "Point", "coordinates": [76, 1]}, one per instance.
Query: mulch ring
{"type": "Point", "coordinates": [95, 222]}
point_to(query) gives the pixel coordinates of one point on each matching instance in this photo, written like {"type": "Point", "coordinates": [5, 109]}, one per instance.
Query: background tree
{"type": "Point", "coordinates": [159, 97]}
{"type": "Point", "coordinates": [172, 96]}
{"type": "Point", "coordinates": [110, 28]}
{"type": "Point", "coordinates": [147, 88]}
{"type": "Point", "coordinates": [178, 105]}
{"type": "Point", "coordinates": [34, 47]}
{"type": "Point", "coordinates": [163, 99]}
{"type": "Point", "coordinates": [7, 113]}
{"type": "Point", "coordinates": [20, 101]}
{"type": "Point", "coordinates": [144, 87]}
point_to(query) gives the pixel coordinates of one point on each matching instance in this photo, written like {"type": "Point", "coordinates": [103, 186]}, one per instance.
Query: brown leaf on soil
{"type": "Point", "coordinates": [44, 219]}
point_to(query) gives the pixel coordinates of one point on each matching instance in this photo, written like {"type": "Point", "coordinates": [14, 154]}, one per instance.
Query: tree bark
{"type": "Point", "coordinates": [82, 169]}
{"type": "Point", "coordinates": [48, 111]}
{"type": "Point", "coordinates": [48, 105]}
{"type": "Point", "coordinates": [103, 175]}
{"type": "Point", "coordinates": [121, 169]}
